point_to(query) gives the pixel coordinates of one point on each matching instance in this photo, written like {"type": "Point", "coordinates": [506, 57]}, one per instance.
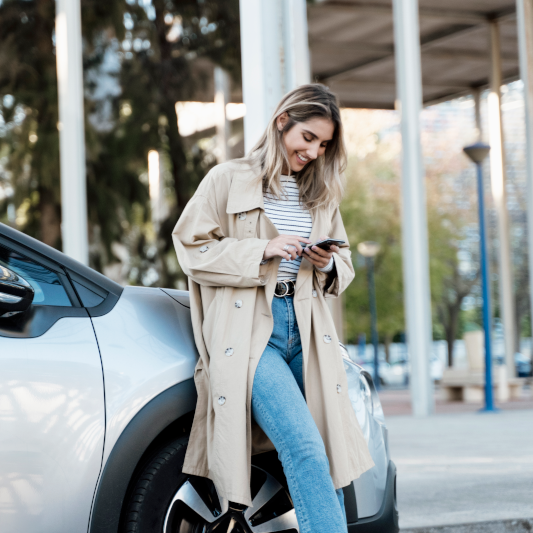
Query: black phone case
{"type": "Point", "coordinates": [328, 243]}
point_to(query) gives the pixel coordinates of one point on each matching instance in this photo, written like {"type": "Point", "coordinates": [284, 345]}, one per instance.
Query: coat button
{"type": "Point", "coordinates": [339, 389]}
{"type": "Point", "coordinates": [204, 249]}
{"type": "Point", "coordinates": [327, 339]}
{"type": "Point", "coordinates": [314, 293]}
{"type": "Point", "coordinates": [221, 400]}
{"type": "Point", "coordinates": [238, 304]}
{"type": "Point", "coordinates": [242, 216]}
{"type": "Point", "coordinates": [229, 352]}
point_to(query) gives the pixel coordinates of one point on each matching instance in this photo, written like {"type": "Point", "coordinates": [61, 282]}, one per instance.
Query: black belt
{"type": "Point", "coordinates": [285, 287]}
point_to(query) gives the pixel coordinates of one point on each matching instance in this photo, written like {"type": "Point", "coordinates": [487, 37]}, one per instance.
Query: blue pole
{"type": "Point", "coordinates": [487, 319]}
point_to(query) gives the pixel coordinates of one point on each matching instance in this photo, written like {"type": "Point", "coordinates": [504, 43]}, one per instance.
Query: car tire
{"type": "Point", "coordinates": [162, 499]}
{"type": "Point", "coordinates": [154, 487]}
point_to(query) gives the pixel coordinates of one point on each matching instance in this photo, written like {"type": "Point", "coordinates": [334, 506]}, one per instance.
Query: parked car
{"type": "Point", "coordinates": [390, 374]}
{"type": "Point", "coordinates": [96, 402]}
{"type": "Point", "coordinates": [397, 373]}
{"type": "Point", "coordinates": [522, 364]}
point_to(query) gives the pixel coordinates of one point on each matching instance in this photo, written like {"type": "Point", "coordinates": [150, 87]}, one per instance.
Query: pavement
{"type": "Point", "coordinates": [464, 471]}
{"type": "Point", "coordinates": [523, 525]}
{"type": "Point", "coordinates": [398, 402]}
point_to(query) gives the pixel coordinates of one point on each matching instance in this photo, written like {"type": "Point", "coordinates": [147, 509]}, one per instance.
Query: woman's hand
{"type": "Point", "coordinates": [318, 257]}
{"type": "Point", "coordinates": [276, 247]}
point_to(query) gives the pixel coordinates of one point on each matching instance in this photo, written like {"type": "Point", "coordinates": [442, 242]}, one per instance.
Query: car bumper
{"type": "Point", "coordinates": [386, 520]}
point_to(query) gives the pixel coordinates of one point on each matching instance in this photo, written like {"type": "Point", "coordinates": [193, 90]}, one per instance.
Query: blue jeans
{"type": "Point", "coordinates": [280, 409]}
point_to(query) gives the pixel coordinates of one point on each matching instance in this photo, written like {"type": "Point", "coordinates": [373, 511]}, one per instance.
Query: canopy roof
{"type": "Point", "coordinates": [352, 48]}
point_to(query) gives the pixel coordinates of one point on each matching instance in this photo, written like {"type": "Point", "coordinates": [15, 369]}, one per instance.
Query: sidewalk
{"type": "Point", "coordinates": [398, 402]}
{"type": "Point", "coordinates": [463, 468]}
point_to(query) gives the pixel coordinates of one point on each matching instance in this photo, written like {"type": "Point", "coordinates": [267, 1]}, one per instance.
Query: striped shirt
{"type": "Point", "coordinates": [290, 218]}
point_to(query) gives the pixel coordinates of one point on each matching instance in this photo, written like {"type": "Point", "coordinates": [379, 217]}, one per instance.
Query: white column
{"type": "Point", "coordinates": [476, 93]}
{"type": "Point", "coordinates": [261, 45]}
{"type": "Point", "coordinates": [222, 94]}
{"type": "Point", "coordinates": [274, 58]}
{"type": "Point", "coordinates": [414, 216]}
{"type": "Point", "coordinates": [497, 178]}
{"type": "Point", "coordinates": [296, 44]}
{"type": "Point", "coordinates": [71, 130]}
{"type": "Point", "coordinates": [524, 20]}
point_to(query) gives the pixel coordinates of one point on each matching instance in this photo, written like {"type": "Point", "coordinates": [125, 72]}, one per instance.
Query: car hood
{"type": "Point", "coordinates": [182, 297]}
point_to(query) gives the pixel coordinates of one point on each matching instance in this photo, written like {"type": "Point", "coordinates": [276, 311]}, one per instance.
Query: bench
{"type": "Point", "coordinates": [463, 384]}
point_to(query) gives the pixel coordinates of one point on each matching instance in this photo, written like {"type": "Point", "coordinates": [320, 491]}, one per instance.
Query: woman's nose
{"type": "Point", "coordinates": [312, 153]}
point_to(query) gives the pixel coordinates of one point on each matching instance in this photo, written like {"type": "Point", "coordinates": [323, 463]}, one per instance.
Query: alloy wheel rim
{"type": "Point", "coordinates": [208, 512]}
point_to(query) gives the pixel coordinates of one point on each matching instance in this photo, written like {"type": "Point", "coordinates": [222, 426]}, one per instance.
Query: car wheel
{"type": "Point", "coordinates": [165, 500]}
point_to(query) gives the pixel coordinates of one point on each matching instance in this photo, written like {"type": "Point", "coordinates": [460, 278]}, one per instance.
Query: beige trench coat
{"type": "Point", "coordinates": [220, 239]}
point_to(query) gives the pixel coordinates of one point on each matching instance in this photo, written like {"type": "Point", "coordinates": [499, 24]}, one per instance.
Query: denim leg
{"type": "Point", "coordinates": [297, 368]}
{"type": "Point", "coordinates": [340, 496]}
{"type": "Point", "coordinates": [280, 409]}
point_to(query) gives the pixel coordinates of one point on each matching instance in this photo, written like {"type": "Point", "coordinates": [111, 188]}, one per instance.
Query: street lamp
{"type": "Point", "coordinates": [477, 153]}
{"type": "Point", "coordinates": [369, 249]}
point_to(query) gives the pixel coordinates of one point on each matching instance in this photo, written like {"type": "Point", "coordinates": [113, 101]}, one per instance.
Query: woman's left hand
{"type": "Point", "coordinates": [318, 257]}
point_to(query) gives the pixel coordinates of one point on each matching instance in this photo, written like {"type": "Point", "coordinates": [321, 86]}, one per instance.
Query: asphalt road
{"type": "Point", "coordinates": [463, 468]}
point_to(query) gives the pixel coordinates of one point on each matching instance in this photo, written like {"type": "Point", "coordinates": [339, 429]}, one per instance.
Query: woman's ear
{"type": "Point", "coordinates": [282, 120]}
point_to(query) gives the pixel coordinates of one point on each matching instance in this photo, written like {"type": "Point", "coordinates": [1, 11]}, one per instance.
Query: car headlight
{"type": "Point", "coordinates": [366, 393]}
{"type": "Point", "coordinates": [363, 395]}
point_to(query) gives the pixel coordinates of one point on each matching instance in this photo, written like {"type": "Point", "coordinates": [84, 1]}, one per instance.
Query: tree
{"type": "Point", "coordinates": [139, 59]}
{"type": "Point", "coordinates": [371, 211]}
{"type": "Point", "coordinates": [29, 141]}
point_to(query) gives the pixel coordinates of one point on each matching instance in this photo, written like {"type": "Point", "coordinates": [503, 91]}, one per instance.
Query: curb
{"type": "Point", "coordinates": [519, 525]}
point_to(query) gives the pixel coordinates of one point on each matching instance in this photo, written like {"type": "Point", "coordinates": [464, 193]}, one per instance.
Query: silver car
{"type": "Point", "coordinates": [96, 405]}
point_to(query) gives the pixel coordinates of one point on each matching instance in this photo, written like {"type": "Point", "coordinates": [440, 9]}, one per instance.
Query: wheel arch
{"type": "Point", "coordinates": [167, 413]}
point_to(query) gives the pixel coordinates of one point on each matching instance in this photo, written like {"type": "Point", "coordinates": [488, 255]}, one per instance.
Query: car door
{"type": "Point", "coordinates": [52, 414]}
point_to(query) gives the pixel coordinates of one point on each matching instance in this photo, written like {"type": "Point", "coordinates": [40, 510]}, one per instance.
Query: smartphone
{"type": "Point", "coordinates": [326, 243]}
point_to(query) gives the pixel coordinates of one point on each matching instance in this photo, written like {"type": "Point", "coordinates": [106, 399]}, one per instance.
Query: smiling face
{"type": "Point", "coordinates": [305, 141]}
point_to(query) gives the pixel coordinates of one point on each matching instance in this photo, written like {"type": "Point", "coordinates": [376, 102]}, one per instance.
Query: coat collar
{"type": "Point", "coordinates": [246, 190]}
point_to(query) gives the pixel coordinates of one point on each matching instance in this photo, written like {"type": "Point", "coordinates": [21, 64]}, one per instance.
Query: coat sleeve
{"type": "Point", "coordinates": [210, 258]}
{"type": "Point", "coordinates": [333, 283]}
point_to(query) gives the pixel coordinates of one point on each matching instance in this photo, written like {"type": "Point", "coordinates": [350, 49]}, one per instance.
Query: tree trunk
{"type": "Point", "coordinates": [177, 156]}
{"type": "Point", "coordinates": [387, 341]}
{"type": "Point", "coordinates": [50, 227]}
{"type": "Point", "coordinates": [521, 302]}
{"type": "Point", "coordinates": [450, 326]}
{"type": "Point", "coordinates": [169, 96]}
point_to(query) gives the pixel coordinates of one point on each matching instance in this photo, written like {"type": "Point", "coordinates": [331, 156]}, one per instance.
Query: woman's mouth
{"type": "Point", "coordinates": [302, 158]}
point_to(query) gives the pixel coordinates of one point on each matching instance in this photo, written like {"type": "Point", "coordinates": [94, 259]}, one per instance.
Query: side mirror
{"type": "Point", "coordinates": [16, 294]}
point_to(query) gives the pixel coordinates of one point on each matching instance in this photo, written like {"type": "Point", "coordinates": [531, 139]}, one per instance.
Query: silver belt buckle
{"type": "Point", "coordinates": [286, 293]}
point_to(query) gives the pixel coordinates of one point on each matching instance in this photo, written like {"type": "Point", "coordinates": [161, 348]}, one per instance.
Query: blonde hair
{"type": "Point", "coordinates": [321, 182]}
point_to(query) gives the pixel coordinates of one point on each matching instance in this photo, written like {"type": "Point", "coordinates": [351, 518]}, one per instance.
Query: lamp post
{"type": "Point", "coordinates": [477, 153]}
{"type": "Point", "coordinates": [369, 249]}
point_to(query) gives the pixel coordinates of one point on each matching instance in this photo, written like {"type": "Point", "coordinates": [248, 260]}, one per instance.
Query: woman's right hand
{"type": "Point", "coordinates": [275, 247]}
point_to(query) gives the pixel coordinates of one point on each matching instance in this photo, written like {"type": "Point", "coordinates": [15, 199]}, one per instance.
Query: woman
{"type": "Point", "coordinates": [270, 372]}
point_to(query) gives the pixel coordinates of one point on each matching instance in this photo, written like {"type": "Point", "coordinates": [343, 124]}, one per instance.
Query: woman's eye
{"type": "Point", "coordinates": [308, 140]}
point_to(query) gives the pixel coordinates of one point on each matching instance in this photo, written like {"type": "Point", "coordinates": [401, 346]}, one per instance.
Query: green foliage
{"type": "Point", "coordinates": [139, 60]}
{"type": "Point", "coordinates": [371, 211]}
